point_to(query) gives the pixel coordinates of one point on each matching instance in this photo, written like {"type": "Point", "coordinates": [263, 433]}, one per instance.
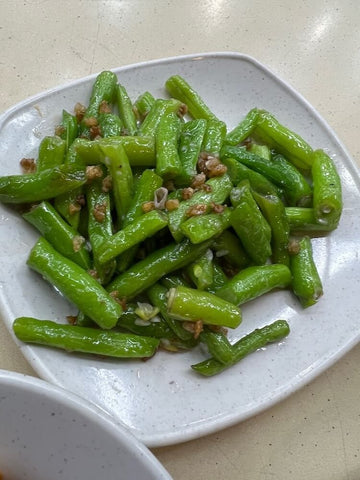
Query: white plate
{"type": "Point", "coordinates": [49, 433]}
{"type": "Point", "coordinates": [163, 401]}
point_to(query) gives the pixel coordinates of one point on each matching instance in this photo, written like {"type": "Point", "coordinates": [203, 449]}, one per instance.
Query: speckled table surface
{"type": "Point", "coordinates": [315, 433]}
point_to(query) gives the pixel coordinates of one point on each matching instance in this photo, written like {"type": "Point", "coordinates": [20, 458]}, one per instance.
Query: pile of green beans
{"type": "Point", "coordinates": [157, 223]}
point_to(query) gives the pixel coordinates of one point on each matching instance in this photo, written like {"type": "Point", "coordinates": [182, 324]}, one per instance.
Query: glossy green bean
{"type": "Point", "coordinates": [191, 140]}
{"type": "Point", "coordinates": [158, 295]}
{"type": "Point", "coordinates": [214, 137]}
{"type": "Point", "coordinates": [218, 345]}
{"type": "Point", "coordinates": [84, 339]}
{"type": "Point", "coordinates": [278, 170]}
{"type": "Point", "coordinates": [194, 305]}
{"type": "Point", "coordinates": [283, 140]}
{"type": "Point", "coordinates": [201, 272]}
{"type": "Point", "coordinates": [69, 129]}
{"type": "Point", "coordinates": [203, 227]}
{"type": "Point", "coordinates": [103, 89]}
{"type": "Point", "coordinates": [142, 275]}
{"type": "Point", "coordinates": [51, 153]}
{"type": "Point", "coordinates": [143, 104]}
{"type": "Point", "coordinates": [306, 282]}
{"type": "Point", "coordinates": [140, 150]}
{"type": "Point", "coordinates": [274, 212]}
{"type": "Point", "coordinates": [155, 327]}
{"type": "Point", "coordinates": [303, 220]}
{"type": "Point", "coordinates": [168, 165]}
{"type": "Point", "coordinates": [145, 189]}
{"type": "Point", "coordinates": [35, 187]}
{"type": "Point", "coordinates": [238, 172]}
{"type": "Point", "coordinates": [59, 233]}
{"type": "Point", "coordinates": [254, 281]}
{"type": "Point", "coordinates": [243, 129]}
{"type": "Point", "coordinates": [126, 112]}
{"type": "Point", "coordinates": [250, 225]}
{"type": "Point", "coordinates": [246, 345]}
{"type": "Point", "coordinates": [75, 284]}
{"type": "Point", "coordinates": [110, 125]}
{"type": "Point", "coordinates": [327, 201]}
{"type": "Point", "coordinates": [117, 162]}
{"type": "Point", "coordinates": [134, 233]}
{"type": "Point", "coordinates": [179, 88]}
{"type": "Point", "coordinates": [159, 109]}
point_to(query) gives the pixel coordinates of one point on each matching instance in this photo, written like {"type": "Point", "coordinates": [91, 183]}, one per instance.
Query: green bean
{"type": "Point", "coordinates": [201, 272]}
{"type": "Point", "coordinates": [126, 111]}
{"type": "Point", "coordinates": [179, 88]}
{"type": "Point", "coordinates": [116, 160]}
{"type": "Point", "coordinates": [254, 281]}
{"type": "Point", "coordinates": [274, 212]}
{"type": "Point", "coordinates": [279, 171]}
{"type": "Point", "coordinates": [134, 233]}
{"type": "Point", "coordinates": [143, 104]}
{"type": "Point", "coordinates": [250, 225]}
{"type": "Point", "coordinates": [220, 190]}
{"type": "Point", "coordinates": [35, 187]}
{"type": "Point", "coordinates": [238, 172]}
{"type": "Point", "coordinates": [75, 284]}
{"type": "Point", "coordinates": [243, 129]}
{"type": "Point", "coordinates": [228, 247]}
{"type": "Point", "coordinates": [69, 205]}
{"type": "Point", "coordinates": [306, 282]}
{"type": "Point", "coordinates": [145, 190]}
{"type": "Point", "coordinates": [282, 139]}
{"type": "Point", "coordinates": [168, 165]}
{"type": "Point", "coordinates": [104, 89]}
{"type": "Point", "coordinates": [62, 236]}
{"type": "Point", "coordinates": [219, 278]}
{"type": "Point", "coordinates": [214, 137]}
{"type": "Point", "coordinates": [84, 339]}
{"type": "Point", "coordinates": [303, 220]}
{"type": "Point", "coordinates": [158, 295]}
{"type": "Point", "coordinates": [140, 150]}
{"type": "Point", "coordinates": [260, 150]}
{"type": "Point", "coordinates": [218, 345]}
{"type": "Point", "coordinates": [99, 227]}
{"type": "Point", "coordinates": [145, 273]}
{"type": "Point", "coordinates": [110, 125]}
{"type": "Point", "coordinates": [327, 201]}
{"type": "Point", "coordinates": [51, 153]}
{"type": "Point", "coordinates": [69, 129]}
{"type": "Point", "coordinates": [194, 305]}
{"type": "Point", "coordinates": [202, 227]}
{"type": "Point", "coordinates": [191, 139]}
{"type": "Point", "coordinates": [159, 109]}
{"type": "Point", "coordinates": [246, 345]}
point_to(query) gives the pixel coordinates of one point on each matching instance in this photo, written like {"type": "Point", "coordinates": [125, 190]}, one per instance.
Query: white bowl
{"type": "Point", "coordinates": [47, 433]}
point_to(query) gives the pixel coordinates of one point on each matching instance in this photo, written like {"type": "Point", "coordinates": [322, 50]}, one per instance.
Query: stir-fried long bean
{"type": "Point", "coordinates": [157, 227]}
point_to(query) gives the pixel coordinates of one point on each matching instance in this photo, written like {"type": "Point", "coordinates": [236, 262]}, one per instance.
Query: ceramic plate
{"type": "Point", "coordinates": [162, 401]}
{"type": "Point", "coordinates": [47, 432]}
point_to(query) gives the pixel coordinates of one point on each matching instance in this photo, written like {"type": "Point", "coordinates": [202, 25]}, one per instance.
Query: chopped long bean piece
{"type": "Point", "coordinates": [72, 338]}
{"type": "Point", "coordinates": [327, 190]}
{"type": "Point", "coordinates": [306, 282]}
{"type": "Point", "coordinates": [246, 345]}
{"type": "Point", "coordinates": [243, 129]}
{"type": "Point", "coordinates": [75, 284]}
{"type": "Point", "coordinates": [193, 305]}
{"type": "Point", "coordinates": [145, 273]}
{"type": "Point", "coordinates": [126, 111]}
{"type": "Point", "coordinates": [60, 234]}
{"type": "Point", "coordinates": [254, 281]}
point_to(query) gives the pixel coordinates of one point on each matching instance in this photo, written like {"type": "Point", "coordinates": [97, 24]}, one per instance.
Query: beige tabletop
{"type": "Point", "coordinates": [315, 46]}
